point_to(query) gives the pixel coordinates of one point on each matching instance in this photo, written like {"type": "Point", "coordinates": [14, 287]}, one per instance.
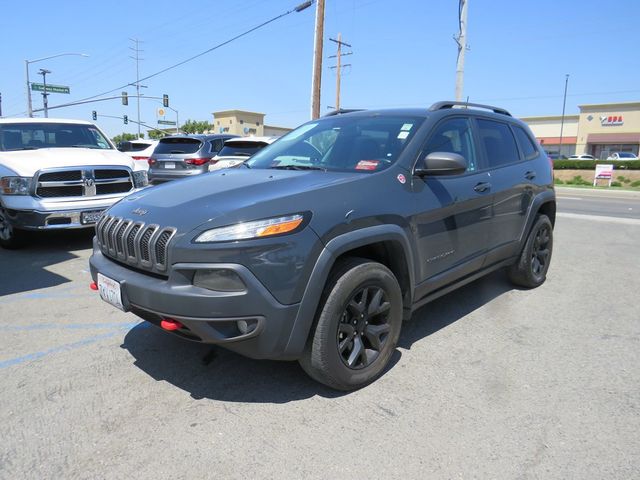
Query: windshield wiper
{"type": "Point", "coordinates": [22, 148]}
{"type": "Point", "coordinates": [298, 167]}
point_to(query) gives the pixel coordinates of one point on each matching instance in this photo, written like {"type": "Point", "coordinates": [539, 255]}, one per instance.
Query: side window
{"type": "Point", "coordinates": [525, 143]}
{"type": "Point", "coordinates": [454, 136]}
{"type": "Point", "coordinates": [498, 142]}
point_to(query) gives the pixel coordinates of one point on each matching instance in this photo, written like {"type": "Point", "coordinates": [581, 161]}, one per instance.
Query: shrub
{"type": "Point", "coordinates": [557, 181]}
{"type": "Point", "coordinates": [591, 164]}
{"type": "Point", "coordinates": [635, 184]}
{"type": "Point", "coordinates": [578, 180]}
{"type": "Point", "coordinates": [616, 184]}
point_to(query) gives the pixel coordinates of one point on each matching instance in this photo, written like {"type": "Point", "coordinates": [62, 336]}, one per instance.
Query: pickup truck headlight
{"type": "Point", "coordinates": [140, 179]}
{"type": "Point", "coordinates": [15, 185]}
{"type": "Point", "coordinates": [256, 229]}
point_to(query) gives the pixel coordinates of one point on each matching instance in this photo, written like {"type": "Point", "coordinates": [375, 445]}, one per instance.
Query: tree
{"type": "Point", "coordinates": [195, 126]}
{"type": "Point", "coordinates": [124, 137]}
{"type": "Point", "coordinates": [156, 134]}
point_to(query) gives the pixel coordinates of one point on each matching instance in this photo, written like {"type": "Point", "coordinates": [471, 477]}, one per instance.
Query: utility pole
{"type": "Point", "coordinates": [461, 40]}
{"type": "Point", "coordinates": [564, 104]}
{"type": "Point", "coordinates": [137, 58]}
{"type": "Point", "coordinates": [45, 102]}
{"type": "Point", "coordinates": [316, 78]}
{"type": "Point", "coordinates": [339, 65]}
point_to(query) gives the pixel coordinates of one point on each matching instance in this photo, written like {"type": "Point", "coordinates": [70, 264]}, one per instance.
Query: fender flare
{"type": "Point", "coordinates": [325, 262]}
{"type": "Point", "coordinates": [545, 197]}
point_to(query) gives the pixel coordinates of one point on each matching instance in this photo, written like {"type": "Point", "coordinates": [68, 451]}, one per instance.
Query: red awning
{"type": "Point", "coordinates": [556, 140]}
{"type": "Point", "coordinates": [613, 138]}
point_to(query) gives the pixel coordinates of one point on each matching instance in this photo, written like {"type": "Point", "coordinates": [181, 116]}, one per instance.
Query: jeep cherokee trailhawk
{"type": "Point", "coordinates": [320, 245]}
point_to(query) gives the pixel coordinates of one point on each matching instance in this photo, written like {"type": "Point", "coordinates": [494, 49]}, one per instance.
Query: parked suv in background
{"type": "Point", "coordinates": [319, 256]}
{"type": "Point", "coordinates": [182, 156]}
{"type": "Point", "coordinates": [140, 149]}
{"type": "Point", "coordinates": [59, 174]}
{"type": "Point", "coordinates": [237, 150]}
{"type": "Point", "coordinates": [622, 156]}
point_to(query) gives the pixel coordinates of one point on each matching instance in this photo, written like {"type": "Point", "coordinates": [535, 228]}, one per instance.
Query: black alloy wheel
{"type": "Point", "coordinates": [364, 327]}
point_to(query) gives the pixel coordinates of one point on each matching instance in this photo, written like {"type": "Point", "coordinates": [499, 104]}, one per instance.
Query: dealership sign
{"type": "Point", "coordinates": [603, 172]}
{"type": "Point", "coordinates": [607, 120]}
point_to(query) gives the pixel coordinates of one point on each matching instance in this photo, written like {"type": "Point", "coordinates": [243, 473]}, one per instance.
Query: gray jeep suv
{"type": "Point", "coordinates": [322, 243]}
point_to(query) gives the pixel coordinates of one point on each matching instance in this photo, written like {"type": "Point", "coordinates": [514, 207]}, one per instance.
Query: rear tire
{"type": "Point", "coordinates": [357, 327]}
{"type": "Point", "coordinates": [10, 237]}
{"type": "Point", "coordinates": [530, 270]}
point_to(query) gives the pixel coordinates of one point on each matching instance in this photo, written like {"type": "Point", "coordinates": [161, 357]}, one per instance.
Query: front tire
{"type": "Point", "coordinates": [530, 270]}
{"type": "Point", "coordinates": [10, 237]}
{"type": "Point", "coordinates": [357, 327]}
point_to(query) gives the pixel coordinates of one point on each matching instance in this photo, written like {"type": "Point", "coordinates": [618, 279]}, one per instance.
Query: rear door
{"type": "Point", "coordinates": [454, 210]}
{"type": "Point", "coordinates": [511, 175]}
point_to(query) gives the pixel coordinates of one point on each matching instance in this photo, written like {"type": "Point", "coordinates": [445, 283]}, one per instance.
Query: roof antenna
{"type": "Point", "coordinates": [467, 102]}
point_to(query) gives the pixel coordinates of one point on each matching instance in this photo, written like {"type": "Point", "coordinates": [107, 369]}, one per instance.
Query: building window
{"type": "Point", "coordinates": [241, 122]}
{"type": "Point", "coordinates": [257, 124]}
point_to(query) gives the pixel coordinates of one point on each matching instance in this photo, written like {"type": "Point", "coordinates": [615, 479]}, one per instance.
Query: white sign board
{"type": "Point", "coordinates": [603, 172]}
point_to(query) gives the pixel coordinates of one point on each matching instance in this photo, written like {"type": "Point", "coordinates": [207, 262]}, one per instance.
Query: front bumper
{"type": "Point", "coordinates": [52, 220]}
{"type": "Point", "coordinates": [208, 316]}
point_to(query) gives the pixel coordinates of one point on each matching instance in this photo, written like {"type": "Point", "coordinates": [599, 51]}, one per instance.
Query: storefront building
{"type": "Point", "coordinates": [598, 130]}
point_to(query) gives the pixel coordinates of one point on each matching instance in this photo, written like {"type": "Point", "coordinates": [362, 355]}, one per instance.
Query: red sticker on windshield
{"type": "Point", "coordinates": [367, 165]}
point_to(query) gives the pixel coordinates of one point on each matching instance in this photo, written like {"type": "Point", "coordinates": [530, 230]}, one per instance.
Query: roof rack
{"type": "Point", "coordinates": [449, 104]}
{"type": "Point", "coordinates": [342, 111]}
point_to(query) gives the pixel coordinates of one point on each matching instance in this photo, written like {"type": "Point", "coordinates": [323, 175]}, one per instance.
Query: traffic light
{"type": "Point", "coordinates": [94, 115]}
{"type": "Point", "coordinates": [165, 100]}
{"type": "Point", "coordinates": [125, 98]}
{"type": "Point", "coordinates": [126, 119]}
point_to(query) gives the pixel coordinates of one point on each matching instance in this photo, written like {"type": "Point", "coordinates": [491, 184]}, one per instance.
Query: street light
{"type": "Point", "coordinates": [26, 65]}
{"type": "Point", "coordinates": [45, 103]}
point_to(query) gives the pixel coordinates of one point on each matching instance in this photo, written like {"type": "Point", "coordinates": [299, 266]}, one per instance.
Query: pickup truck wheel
{"type": "Point", "coordinates": [530, 270]}
{"type": "Point", "coordinates": [10, 238]}
{"type": "Point", "coordinates": [357, 327]}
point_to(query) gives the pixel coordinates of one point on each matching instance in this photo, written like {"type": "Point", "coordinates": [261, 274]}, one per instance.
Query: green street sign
{"type": "Point", "coordinates": [166, 122]}
{"type": "Point", "coordinates": [39, 87]}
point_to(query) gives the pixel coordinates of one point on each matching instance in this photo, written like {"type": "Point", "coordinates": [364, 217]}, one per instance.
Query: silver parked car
{"type": "Point", "coordinates": [183, 156]}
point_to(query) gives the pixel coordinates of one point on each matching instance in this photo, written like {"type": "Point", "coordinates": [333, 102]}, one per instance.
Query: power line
{"type": "Point", "coordinates": [338, 56]}
{"type": "Point", "coordinates": [298, 8]}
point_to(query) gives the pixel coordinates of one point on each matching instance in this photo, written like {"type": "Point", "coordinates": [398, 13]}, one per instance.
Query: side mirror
{"type": "Point", "coordinates": [441, 163]}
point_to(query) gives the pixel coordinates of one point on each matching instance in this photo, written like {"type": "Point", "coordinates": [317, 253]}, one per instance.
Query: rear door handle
{"type": "Point", "coordinates": [482, 187]}
{"type": "Point", "coordinates": [530, 175]}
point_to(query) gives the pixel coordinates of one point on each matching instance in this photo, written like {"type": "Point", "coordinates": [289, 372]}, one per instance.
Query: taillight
{"type": "Point", "coordinates": [152, 161]}
{"type": "Point", "coordinates": [196, 161]}
{"type": "Point", "coordinates": [146, 159]}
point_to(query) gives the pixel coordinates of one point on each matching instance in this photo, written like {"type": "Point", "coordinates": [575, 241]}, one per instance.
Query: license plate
{"type": "Point", "coordinates": [169, 164]}
{"type": "Point", "coordinates": [87, 218]}
{"type": "Point", "coordinates": [110, 291]}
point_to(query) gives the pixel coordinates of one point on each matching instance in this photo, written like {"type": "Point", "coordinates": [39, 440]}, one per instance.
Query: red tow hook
{"type": "Point", "coordinates": [170, 324]}
{"type": "Point", "coordinates": [93, 286]}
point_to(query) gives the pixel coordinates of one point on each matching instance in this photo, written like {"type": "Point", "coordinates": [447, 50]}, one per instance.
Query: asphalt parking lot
{"type": "Point", "coordinates": [487, 382]}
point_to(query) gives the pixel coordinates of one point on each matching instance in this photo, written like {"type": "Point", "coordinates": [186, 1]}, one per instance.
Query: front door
{"type": "Point", "coordinates": [453, 212]}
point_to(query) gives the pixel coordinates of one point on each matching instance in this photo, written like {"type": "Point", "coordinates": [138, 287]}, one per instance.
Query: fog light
{"type": "Point", "coordinates": [220, 280]}
{"type": "Point", "coordinates": [246, 326]}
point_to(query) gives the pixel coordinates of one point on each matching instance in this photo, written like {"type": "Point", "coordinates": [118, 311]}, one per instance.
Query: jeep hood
{"type": "Point", "coordinates": [229, 196]}
{"type": "Point", "coordinates": [26, 163]}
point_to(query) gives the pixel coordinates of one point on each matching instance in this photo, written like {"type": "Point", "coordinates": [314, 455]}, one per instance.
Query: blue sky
{"type": "Point", "coordinates": [403, 55]}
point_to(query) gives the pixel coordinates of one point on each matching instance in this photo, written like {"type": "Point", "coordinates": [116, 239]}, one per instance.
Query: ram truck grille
{"type": "Point", "coordinates": [135, 243]}
{"type": "Point", "coordinates": [83, 182]}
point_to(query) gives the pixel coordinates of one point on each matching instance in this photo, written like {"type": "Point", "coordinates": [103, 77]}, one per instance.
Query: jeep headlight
{"type": "Point", "coordinates": [140, 179]}
{"type": "Point", "coordinates": [257, 229]}
{"type": "Point", "coordinates": [15, 185]}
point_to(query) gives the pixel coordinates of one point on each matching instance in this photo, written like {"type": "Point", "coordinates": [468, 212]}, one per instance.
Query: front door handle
{"type": "Point", "coordinates": [530, 175]}
{"type": "Point", "coordinates": [482, 187]}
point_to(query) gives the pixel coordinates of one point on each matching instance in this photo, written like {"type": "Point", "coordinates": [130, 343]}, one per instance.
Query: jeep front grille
{"type": "Point", "coordinates": [135, 243]}
{"type": "Point", "coordinates": [83, 182]}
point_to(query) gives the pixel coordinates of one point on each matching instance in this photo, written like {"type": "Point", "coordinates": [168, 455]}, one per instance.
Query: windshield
{"type": "Point", "coordinates": [133, 146]}
{"type": "Point", "coordinates": [178, 145]}
{"type": "Point", "coordinates": [32, 136]}
{"type": "Point", "coordinates": [240, 149]}
{"type": "Point", "coordinates": [341, 143]}
{"type": "Point", "coordinates": [626, 155]}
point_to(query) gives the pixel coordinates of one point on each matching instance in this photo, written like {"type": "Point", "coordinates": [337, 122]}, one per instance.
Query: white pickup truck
{"type": "Point", "coordinates": [58, 174]}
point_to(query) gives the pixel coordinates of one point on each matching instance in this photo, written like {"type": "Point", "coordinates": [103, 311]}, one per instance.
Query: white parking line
{"type": "Point", "coordinates": [600, 218]}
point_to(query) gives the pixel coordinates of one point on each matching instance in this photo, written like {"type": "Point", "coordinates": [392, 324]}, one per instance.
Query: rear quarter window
{"type": "Point", "coordinates": [527, 147]}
